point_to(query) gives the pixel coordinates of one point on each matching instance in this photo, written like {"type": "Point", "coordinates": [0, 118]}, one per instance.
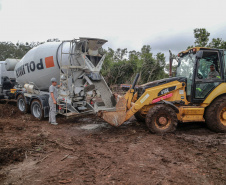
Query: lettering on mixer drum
{"type": "Point", "coordinates": [32, 66]}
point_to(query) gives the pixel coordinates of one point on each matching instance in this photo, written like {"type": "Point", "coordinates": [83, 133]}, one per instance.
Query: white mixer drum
{"type": "Point", "coordinates": [41, 64]}
{"type": "Point", "coordinates": [11, 63]}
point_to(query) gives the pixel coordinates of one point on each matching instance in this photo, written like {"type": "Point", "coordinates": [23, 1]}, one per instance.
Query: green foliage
{"type": "Point", "coordinates": [217, 43]}
{"type": "Point", "coordinates": [18, 50]}
{"type": "Point", "coordinates": [190, 47]}
{"type": "Point", "coordinates": [201, 37]}
{"type": "Point", "coordinates": [121, 66]}
{"type": "Point", "coordinates": [7, 50]}
{"type": "Point", "coordinates": [53, 40]}
{"type": "Point", "coordinates": [153, 67]}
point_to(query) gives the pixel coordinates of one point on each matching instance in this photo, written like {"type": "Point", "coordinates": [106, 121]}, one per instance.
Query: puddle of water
{"type": "Point", "coordinates": [86, 119]}
{"type": "Point", "coordinates": [94, 126]}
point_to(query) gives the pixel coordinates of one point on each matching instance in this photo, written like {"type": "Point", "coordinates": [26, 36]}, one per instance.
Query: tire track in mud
{"type": "Point", "coordinates": [101, 154]}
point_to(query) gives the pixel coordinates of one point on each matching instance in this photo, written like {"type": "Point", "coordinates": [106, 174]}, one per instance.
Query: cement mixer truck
{"type": "Point", "coordinates": [76, 64]}
{"type": "Point", "coordinates": [8, 79]}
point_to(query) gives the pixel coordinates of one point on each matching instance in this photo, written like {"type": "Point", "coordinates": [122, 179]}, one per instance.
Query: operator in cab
{"type": "Point", "coordinates": [53, 95]}
{"type": "Point", "coordinates": [213, 74]}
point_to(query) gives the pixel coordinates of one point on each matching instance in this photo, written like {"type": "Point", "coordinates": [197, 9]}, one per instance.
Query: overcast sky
{"type": "Point", "coordinates": [163, 24]}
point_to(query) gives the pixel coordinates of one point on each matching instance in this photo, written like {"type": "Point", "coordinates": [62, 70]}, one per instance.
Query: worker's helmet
{"type": "Point", "coordinates": [53, 80]}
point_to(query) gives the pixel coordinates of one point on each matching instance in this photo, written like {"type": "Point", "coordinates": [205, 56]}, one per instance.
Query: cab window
{"type": "Point", "coordinates": [208, 66]}
{"type": "Point", "coordinates": [208, 74]}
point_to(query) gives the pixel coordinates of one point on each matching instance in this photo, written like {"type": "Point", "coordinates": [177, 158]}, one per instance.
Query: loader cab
{"type": "Point", "coordinates": [204, 70]}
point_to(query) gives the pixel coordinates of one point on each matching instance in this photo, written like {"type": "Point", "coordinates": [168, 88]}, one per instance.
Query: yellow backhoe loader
{"type": "Point", "coordinates": [196, 94]}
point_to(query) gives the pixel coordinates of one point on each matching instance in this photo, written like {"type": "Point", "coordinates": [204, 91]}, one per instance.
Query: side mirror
{"type": "Point", "coordinates": [199, 54]}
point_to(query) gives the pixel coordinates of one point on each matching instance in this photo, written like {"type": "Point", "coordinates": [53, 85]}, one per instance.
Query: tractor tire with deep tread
{"type": "Point", "coordinates": [22, 105]}
{"type": "Point", "coordinates": [161, 119]}
{"type": "Point", "coordinates": [140, 117]}
{"type": "Point", "coordinates": [215, 115]}
{"type": "Point", "coordinates": [37, 110]}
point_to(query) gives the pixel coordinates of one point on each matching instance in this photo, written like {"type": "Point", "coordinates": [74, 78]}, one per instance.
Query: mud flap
{"type": "Point", "coordinates": [170, 104]}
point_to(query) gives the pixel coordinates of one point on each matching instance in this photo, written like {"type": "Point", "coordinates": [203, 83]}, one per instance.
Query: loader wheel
{"type": "Point", "coordinates": [215, 115]}
{"type": "Point", "coordinates": [21, 104]}
{"type": "Point", "coordinates": [36, 109]}
{"type": "Point", "coordinates": [140, 117]}
{"type": "Point", "coordinates": [161, 119]}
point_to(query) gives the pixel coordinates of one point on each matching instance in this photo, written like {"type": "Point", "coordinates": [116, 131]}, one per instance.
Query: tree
{"type": "Point", "coordinates": [153, 67]}
{"type": "Point", "coordinates": [7, 50]}
{"type": "Point", "coordinates": [18, 50]}
{"type": "Point", "coordinates": [217, 43]}
{"type": "Point", "coordinates": [53, 40]}
{"type": "Point", "coordinates": [201, 37]}
{"type": "Point", "coordinates": [189, 47]}
{"type": "Point", "coordinates": [135, 60]}
{"type": "Point", "coordinates": [118, 68]}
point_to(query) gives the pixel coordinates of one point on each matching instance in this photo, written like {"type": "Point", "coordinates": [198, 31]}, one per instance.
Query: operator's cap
{"type": "Point", "coordinates": [53, 80]}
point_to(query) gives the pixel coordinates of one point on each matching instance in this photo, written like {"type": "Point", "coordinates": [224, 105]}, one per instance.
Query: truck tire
{"type": "Point", "coordinates": [161, 119]}
{"type": "Point", "coordinates": [21, 104]}
{"type": "Point", "coordinates": [215, 115]}
{"type": "Point", "coordinates": [140, 117]}
{"type": "Point", "coordinates": [37, 110]}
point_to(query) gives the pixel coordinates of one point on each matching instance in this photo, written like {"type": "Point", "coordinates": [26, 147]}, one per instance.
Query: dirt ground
{"type": "Point", "coordinates": [89, 151]}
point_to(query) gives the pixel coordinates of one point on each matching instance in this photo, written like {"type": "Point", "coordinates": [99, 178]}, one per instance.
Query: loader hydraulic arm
{"type": "Point", "coordinates": [125, 108]}
{"type": "Point", "coordinates": [130, 93]}
{"type": "Point", "coordinates": [150, 95]}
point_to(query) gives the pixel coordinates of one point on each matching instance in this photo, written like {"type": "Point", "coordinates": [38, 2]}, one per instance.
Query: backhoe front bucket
{"type": "Point", "coordinates": [116, 118]}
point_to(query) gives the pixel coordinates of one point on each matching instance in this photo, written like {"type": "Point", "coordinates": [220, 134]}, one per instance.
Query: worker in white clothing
{"type": "Point", "coordinates": [53, 101]}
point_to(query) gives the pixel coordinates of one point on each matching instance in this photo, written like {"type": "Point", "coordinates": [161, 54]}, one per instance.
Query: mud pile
{"type": "Point", "coordinates": [87, 150]}
{"type": "Point", "coordinates": [9, 110]}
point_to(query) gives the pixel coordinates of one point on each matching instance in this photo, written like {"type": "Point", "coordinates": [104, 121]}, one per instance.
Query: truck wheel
{"type": "Point", "coordinates": [215, 115]}
{"type": "Point", "coordinates": [140, 117]}
{"type": "Point", "coordinates": [36, 109]}
{"type": "Point", "coordinates": [21, 104]}
{"type": "Point", "coordinates": [161, 119]}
